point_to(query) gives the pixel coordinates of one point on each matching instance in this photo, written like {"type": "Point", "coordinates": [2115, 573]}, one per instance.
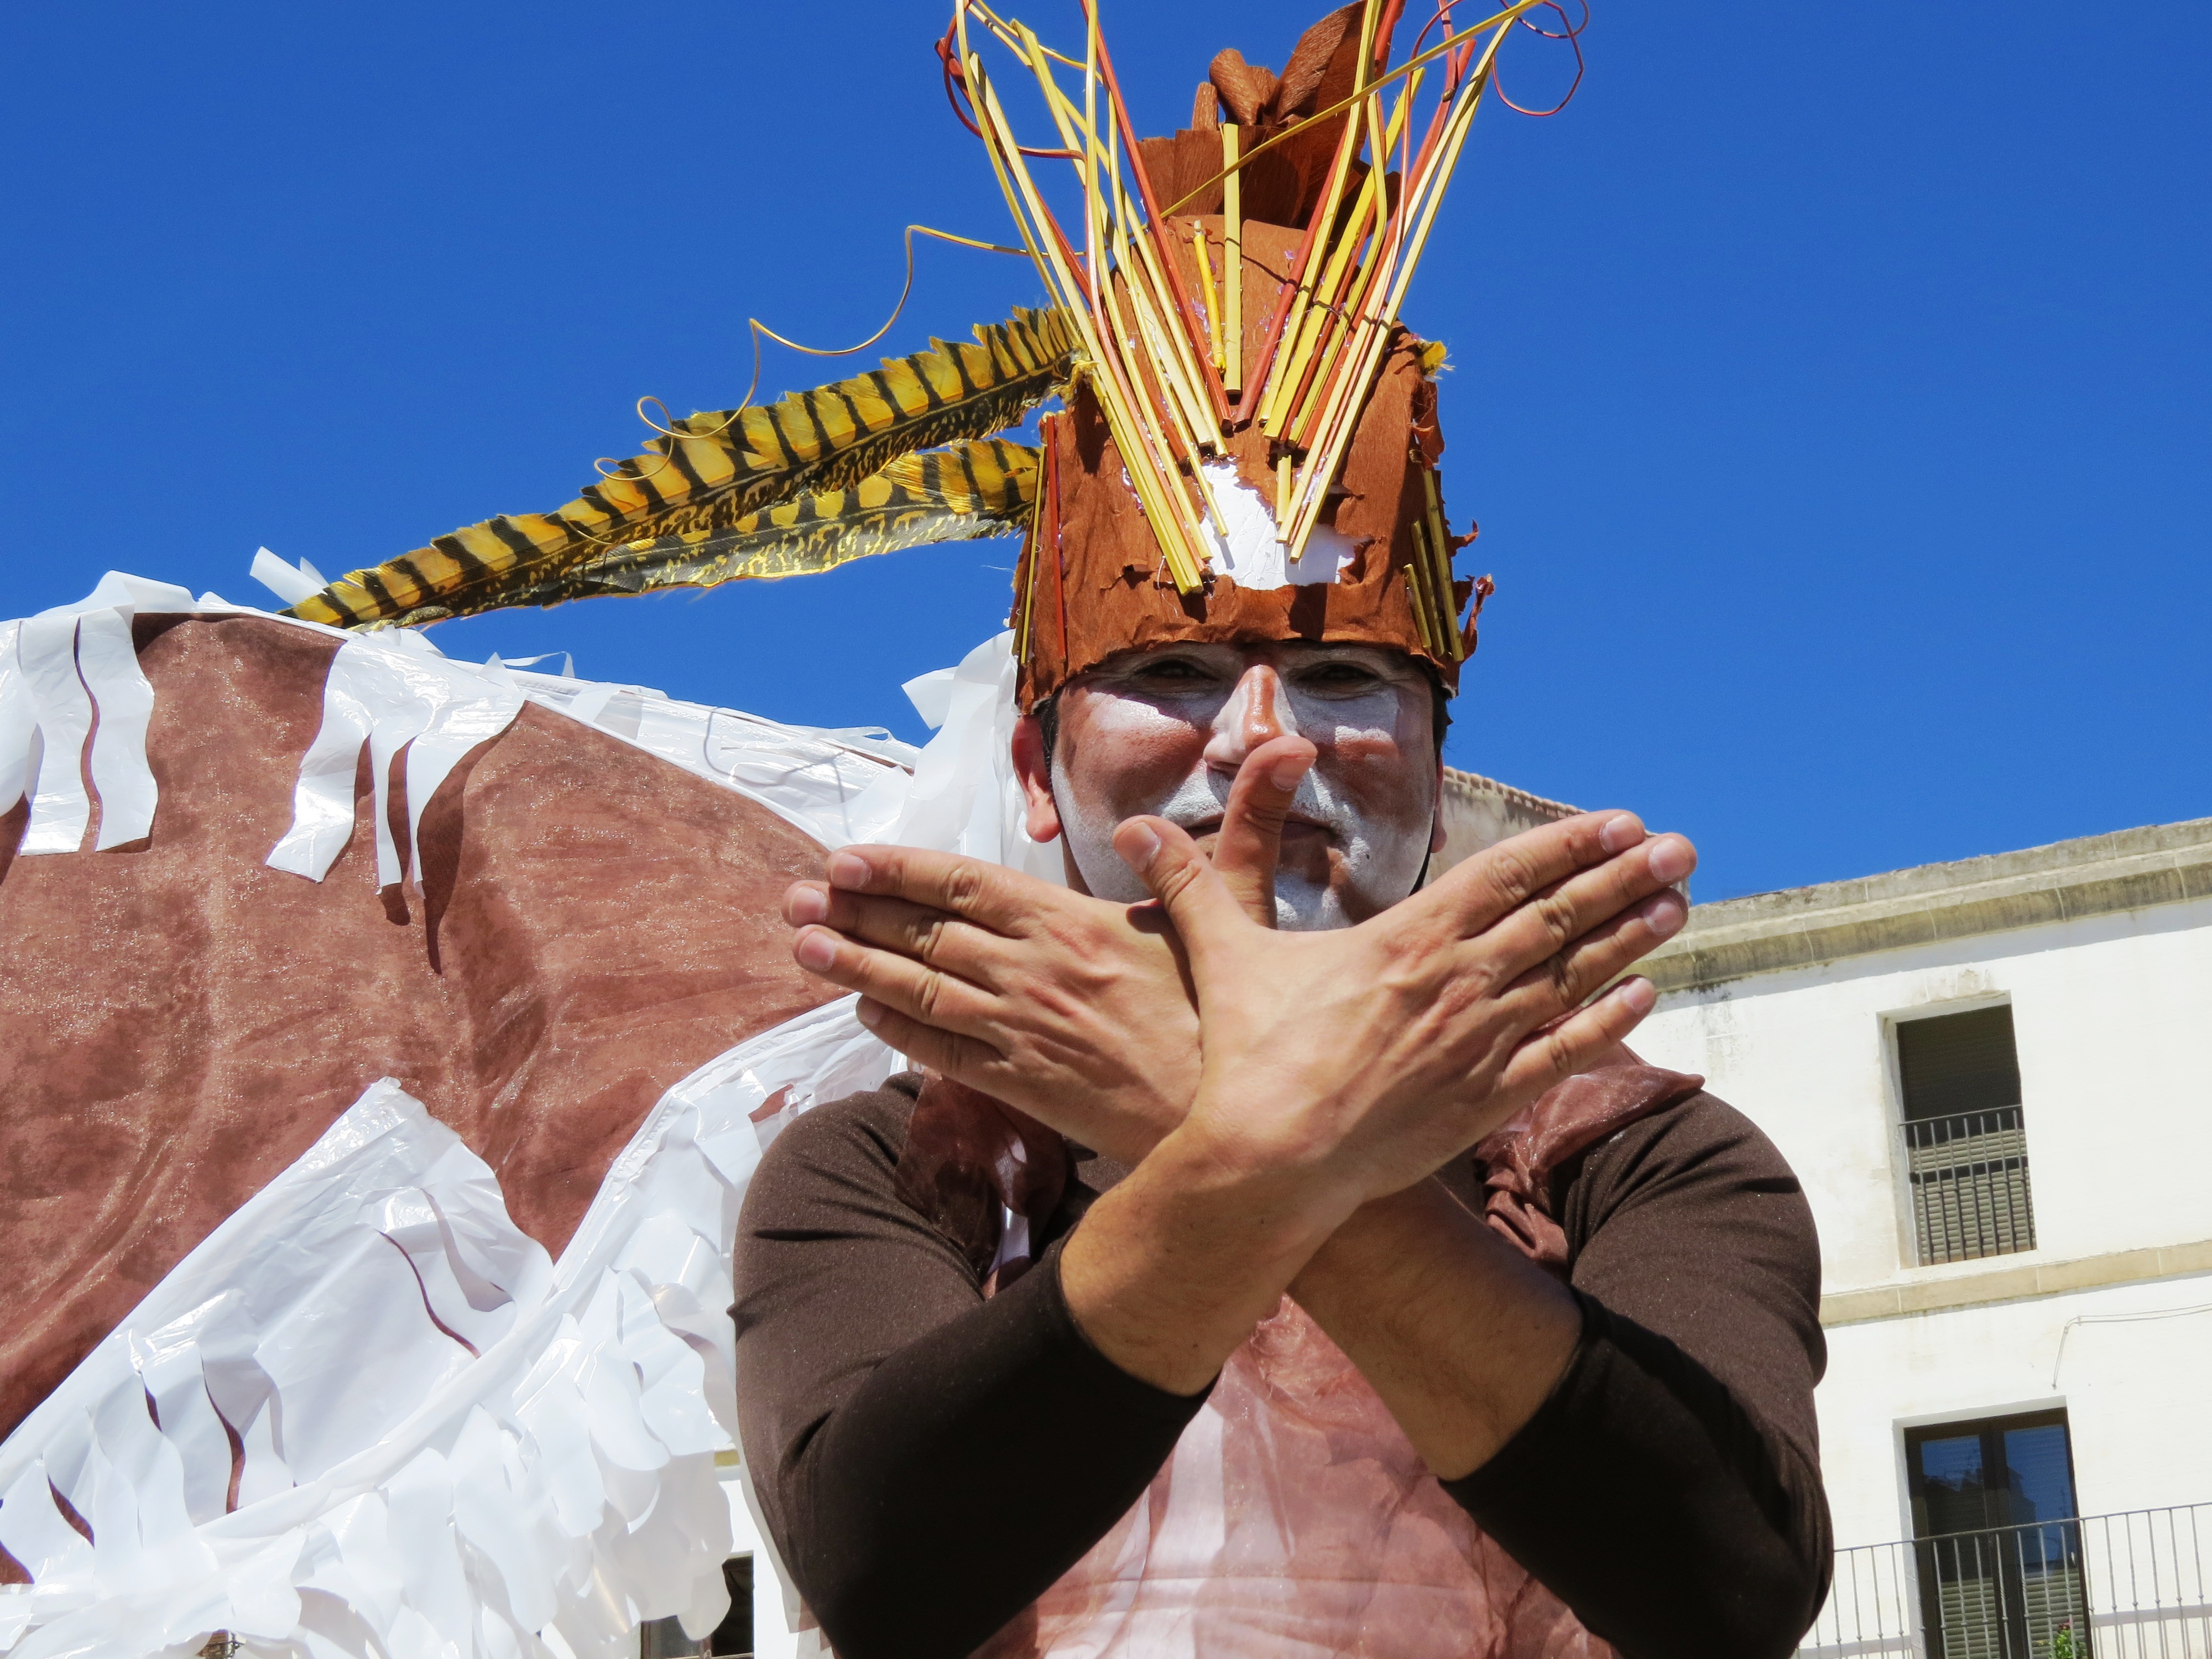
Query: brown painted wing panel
{"type": "Point", "coordinates": [179, 1022]}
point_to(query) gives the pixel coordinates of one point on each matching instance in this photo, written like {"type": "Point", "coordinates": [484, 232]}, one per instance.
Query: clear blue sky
{"type": "Point", "coordinates": [1832, 383]}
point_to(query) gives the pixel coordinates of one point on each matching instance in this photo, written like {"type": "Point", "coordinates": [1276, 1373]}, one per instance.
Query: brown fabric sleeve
{"type": "Point", "coordinates": [928, 1461]}
{"type": "Point", "coordinates": [1668, 1490]}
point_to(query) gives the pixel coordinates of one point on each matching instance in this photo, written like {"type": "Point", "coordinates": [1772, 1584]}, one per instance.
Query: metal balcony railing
{"type": "Point", "coordinates": [1970, 1191]}
{"type": "Point", "coordinates": [2128, 1586]}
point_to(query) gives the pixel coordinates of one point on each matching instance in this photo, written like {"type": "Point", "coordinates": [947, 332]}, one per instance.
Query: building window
{"type": "Point", "coordinates": [664, 1638]}
{"type": "Point", "coordinates": [1998, 1542]}
{"type": "Point", "coordinates": [1965, 1149]}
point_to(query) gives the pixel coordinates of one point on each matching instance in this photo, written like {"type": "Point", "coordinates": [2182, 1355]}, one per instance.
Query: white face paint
{"type": "Point", "coordinates": [1163, 732]}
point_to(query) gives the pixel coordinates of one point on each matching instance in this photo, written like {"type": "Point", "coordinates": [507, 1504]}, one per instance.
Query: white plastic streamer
{"type": "Point", "coordinates": [965, 796]}
{"type": "Point", "coordinates": [45, 651]}
{"type": "Point", "coordinates": [390, 691]}
{"type": "Point", "coordinates": [19, 721]}
{"type": "Point", "coordinates": [107, 663]}
{"type": "Point", "coordinates": [289, 583]}
{"type": "Point", "coordinates": [68, 677]}
{"type": "Point", "coordinates": [449, 1446]}
{"type": "Point", "coordinates": [838, 786]}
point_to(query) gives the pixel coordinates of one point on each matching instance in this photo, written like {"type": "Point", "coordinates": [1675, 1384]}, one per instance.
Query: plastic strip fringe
{"type": "Point", "coordinates": [74, 702]}
{"type": "Point", "coordinates": [389, 692]}
{"type": "Point", "coordinates": [439, 1442]}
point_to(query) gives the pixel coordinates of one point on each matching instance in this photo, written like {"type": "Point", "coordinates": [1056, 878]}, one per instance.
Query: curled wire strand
{"type": "Point", "coordinates": [956, 90]}
{"type": "Point", "coordinates": [607, 467]}
{"type": "Point", "coordinates": [1570, 32]}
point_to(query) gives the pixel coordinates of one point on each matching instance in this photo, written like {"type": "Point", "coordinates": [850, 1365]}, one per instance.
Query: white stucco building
{"type": "Point", "coordinates": [1990, 1076]}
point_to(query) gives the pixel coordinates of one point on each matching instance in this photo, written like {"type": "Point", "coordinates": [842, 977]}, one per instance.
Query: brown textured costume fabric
{"type": "Point", "coordinates": [1282, 187]}
{"type": "Point", "coordinates": [179, 1022]}
{"type": "Point", "coordinates": [929, 1460]}
{"type": "Point", "coordinates": [1522, 1162]}
{"type": "Point", "coordinates": [970, 1157]}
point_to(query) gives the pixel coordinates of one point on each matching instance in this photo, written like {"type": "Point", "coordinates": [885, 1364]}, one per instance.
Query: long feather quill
{"type": "Point", "coordinates": [718, 470]}
{"type": "Point", "coordinates": [983, 489]}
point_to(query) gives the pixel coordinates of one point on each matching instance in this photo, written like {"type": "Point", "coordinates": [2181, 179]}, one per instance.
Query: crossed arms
{"type": "Point", "coordinates": [1285, 1101]}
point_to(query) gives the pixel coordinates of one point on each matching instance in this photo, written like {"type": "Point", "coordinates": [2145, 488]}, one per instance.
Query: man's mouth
{"type": "Point", "coordinates": [1296, 825]}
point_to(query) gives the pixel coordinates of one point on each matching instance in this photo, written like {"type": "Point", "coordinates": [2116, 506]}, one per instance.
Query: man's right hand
{"type": "Point", "coordinates": [1073, 1009]}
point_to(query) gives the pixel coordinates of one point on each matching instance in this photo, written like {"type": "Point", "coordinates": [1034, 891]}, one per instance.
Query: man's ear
{"type": "Point", "coordinates": [1030, 767]}
{"type": "Point", "coordinates": [1437, 830]}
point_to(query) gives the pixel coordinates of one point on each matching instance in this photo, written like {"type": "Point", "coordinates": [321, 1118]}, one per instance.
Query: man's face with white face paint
{"type": "Point", "coordinates": [1163, 732]}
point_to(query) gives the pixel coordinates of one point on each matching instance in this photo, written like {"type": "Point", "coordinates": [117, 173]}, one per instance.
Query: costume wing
{"type": "Point", "coordinates": [719, 474]}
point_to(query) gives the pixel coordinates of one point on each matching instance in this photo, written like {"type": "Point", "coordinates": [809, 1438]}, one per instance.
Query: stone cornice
{"type": "Point", "coordinates": [1803, 927]}
{"type": "Point", "coordinates": [2018, 1284]}
{"type": "Point", "coordinates": [1470, 785]}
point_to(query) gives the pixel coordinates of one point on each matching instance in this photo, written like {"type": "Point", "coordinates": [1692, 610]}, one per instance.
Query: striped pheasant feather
{"type": "Point", "coordinates": [722, 468]}
{"type": "Point", "coordinates": [981, 489]}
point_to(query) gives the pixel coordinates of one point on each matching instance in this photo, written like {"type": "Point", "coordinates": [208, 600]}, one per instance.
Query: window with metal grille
{"type": "Point", "coordinates": [2001, 1566]}
{"type": "Point", "coordinates": [1965, 1147]}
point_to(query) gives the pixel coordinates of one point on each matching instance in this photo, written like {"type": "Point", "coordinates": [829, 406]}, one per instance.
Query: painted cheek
{"type": "Point", "coordinates": [1369, 762]}
{"type": "Point", "coordinates": [1129, 754]}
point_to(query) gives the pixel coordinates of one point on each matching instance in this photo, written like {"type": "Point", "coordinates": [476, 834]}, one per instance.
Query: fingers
{"type": "Point", "coordinates": [1553, 923]}
{"type": "Point", "coordinates": [935, 938]}
{"type": "Point", "coordinates": [1562, 980]}
{"type": "Point", "coordinates": [964, 1059]}
{"type": "Point", "coordinates": [1251, 838]}
{"type": "Point", "coordinates": [1577, 1042]}
{"type": "Point", "coordinates": [1474, 894]}
{"type": "Point", "coordinates": [1199, 903]}
{"type": "Point", "coordinates": [921, 992]}
{"type": "Point", "coordinates": [989, 895]}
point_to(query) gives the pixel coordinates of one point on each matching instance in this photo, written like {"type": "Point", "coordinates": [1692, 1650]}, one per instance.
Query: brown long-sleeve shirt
{"type": "Point", "coordinates": [930, 1460]}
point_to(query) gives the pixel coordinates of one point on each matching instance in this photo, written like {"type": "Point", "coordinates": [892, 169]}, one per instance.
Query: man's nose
{"type": "Point", "coordinates": [1256, 711]}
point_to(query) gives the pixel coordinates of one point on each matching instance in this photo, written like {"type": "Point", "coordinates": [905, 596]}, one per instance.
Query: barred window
{"type": "Point", "coordinates": [1966, 1144]}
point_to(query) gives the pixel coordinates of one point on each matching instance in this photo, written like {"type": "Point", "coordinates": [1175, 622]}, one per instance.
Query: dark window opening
{"type": "Point", "coordinates": [1999, 1545]}
{"type": "Point", "coordinates": [664, 1638]}
{"type": "Point", "coordinates": [1966, 1144]}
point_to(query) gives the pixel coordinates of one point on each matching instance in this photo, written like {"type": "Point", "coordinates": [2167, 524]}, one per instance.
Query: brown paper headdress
{"type": "Point", "coordinates": [1245, 375]}
{"type": "Point", "coordinates": [1248, 444]}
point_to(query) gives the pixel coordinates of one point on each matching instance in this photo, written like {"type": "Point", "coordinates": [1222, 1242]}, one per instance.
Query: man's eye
{"type": "Point", "coordinates": [1341, 676]}
{"type": "Point", "coordinates": [1172, 671]}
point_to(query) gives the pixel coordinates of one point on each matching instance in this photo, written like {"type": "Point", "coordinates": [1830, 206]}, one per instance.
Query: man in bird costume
{"type": "Point", "coordinates": [1275, 1250]}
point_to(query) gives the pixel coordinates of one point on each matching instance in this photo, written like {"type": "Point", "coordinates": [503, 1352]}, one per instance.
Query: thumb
{"type": "Point", "coordinates": [1198, 903]}
{"type": "Point", "coordinates": [1251, 840]}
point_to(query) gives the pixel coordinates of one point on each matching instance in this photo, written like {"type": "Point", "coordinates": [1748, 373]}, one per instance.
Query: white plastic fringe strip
{"type": "Point", "coordinates": [70, 677]}
{"type": "Point", "coordinates": [837, 786]}
{"type": "Point", "coordinates": [74, 702]}
{"type": "Point", "coordinates": [446, 1445]}
{"type": "Point", "coordinates": [389, 692]}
